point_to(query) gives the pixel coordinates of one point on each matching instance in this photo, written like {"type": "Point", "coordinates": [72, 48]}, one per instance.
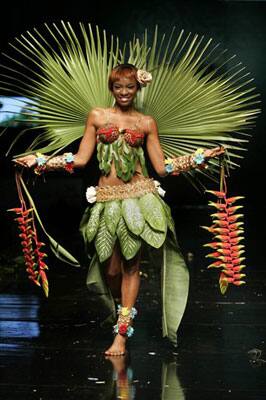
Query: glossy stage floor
{"type": "Point", "coordinates": [53, 349]}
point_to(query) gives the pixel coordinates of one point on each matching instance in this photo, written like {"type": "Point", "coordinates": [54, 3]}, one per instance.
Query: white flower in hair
{"type": "Point", "coordinates": [144, 77]}
{"type": "Point", "coordinates": [91, 194]}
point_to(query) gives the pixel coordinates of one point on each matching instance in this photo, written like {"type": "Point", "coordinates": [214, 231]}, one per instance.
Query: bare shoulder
{"type": "Point", "coordinates": [96, 112]}
{"type": "Point", "coordinates": [150, 123]}
{"type": "Point", "coordinates": [96, 115]}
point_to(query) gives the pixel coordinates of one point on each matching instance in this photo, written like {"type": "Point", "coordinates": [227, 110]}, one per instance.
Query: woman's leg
{"type": "Point", "coordinates": [113, 272]}
{"type": "Point", "coordinates": [129, 288]}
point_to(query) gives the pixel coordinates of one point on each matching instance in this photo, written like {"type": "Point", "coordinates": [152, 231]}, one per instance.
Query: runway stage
{"type": "Point", "coordinates": [53, 349]}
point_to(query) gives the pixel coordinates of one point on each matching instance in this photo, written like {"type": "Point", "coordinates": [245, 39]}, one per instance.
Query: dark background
{"type": "Point", "coordinates": [238, 25]}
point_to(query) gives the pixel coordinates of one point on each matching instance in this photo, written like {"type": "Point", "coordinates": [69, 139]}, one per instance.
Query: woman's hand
{"type": "Point", "coordinates": [27, 161]}
{"type": "Point", "coordinates": [216, 151]}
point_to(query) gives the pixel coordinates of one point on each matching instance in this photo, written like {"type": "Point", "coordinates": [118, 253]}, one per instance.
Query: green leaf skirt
{"type": "Point", "coordinates": [134, 222]}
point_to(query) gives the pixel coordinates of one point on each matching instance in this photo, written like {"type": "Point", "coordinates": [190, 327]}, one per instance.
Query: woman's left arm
{"type": "Point", "coordinates": [154, 148]}
{"type": "Point", "coordinates": [175, 165]}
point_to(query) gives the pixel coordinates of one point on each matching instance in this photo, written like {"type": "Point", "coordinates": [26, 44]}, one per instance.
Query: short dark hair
{"type": "Point", "coordinates": [123, 70]}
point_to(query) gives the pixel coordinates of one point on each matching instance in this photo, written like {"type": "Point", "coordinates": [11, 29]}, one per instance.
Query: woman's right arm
{"type": "Point", "coordinates": [80, 159]}
{"type": "Point", "coordinates": [88, 141]}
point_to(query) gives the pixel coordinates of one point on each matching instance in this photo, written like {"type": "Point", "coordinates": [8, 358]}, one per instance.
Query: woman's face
{"type": "Point", "coordinates": [124, 91]}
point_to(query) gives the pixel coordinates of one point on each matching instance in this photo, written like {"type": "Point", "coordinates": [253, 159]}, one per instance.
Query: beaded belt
{"type": "Point", "coordinates": [125, 191]}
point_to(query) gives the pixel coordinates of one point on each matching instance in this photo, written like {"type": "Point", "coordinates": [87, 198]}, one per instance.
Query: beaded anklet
{"type": "Point", "coordinates": [125, 314]}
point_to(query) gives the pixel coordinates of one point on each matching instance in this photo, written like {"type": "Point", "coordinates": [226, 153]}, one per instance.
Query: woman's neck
{"type": "Point", "coordinates": [125, 110]}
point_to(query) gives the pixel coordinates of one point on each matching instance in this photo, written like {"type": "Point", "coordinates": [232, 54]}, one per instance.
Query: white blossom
{"type": "Point", "coordinates": [159, 188]}
{"type": "Point", "coordinates": [91, 194]}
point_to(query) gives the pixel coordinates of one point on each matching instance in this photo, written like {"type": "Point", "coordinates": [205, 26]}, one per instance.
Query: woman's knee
{"type": "Point", "coordinates": [113, 272]}
{"type": "Point", "coordinates": [113, 265]}
{"type": "Point", "coordinates": [131, 267]}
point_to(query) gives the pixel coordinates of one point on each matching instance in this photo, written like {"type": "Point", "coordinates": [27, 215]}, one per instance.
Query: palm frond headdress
{"type": "Point", "coordinates": [198, 96]}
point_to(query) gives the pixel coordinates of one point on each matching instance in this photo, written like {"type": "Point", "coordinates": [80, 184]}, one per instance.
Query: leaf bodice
{"type": "Point", "coordinates": [123, 147]}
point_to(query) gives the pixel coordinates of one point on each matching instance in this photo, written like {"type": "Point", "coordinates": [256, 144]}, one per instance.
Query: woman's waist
{"type": "Point", "coordinates": [134, 188]}
{"type": "Point", "coordinates": [113, 180]}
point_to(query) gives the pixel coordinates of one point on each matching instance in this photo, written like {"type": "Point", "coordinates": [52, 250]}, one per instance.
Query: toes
{"type": "Point", "coordinates": [114, 353]}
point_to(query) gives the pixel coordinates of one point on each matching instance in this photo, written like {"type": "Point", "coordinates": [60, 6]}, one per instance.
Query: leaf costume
{"type": "Point", "coordinates": [197, 97]}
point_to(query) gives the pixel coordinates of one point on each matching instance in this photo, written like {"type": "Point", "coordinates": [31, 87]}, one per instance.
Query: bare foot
{"type": "Point", "coordinates": [118, 347]}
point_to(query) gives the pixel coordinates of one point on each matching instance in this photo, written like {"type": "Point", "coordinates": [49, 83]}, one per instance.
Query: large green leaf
{"type": "Point", "coordinates": [167, 210]}
{"type": "Point", "coordinates": [174, 288]}
{"type": "Point", "coordinates": [153, 212]}
{"type": "Point", "coordinates": [104, 241]}
{"type": "Point", "coordinates": [94, 220]}
{"type": "Point", "coordinates": [132, 214]}
{"type": "Point", "coordinates": [153, 237]}
{"type": "Point", "coordinates": [83, 223]}
{"type": "Point", "coordinates": [112, 214]}
{"type": "Point", "coordinates": [129, 243]}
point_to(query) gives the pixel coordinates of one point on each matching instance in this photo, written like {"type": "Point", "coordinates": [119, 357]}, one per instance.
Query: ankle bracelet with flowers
{"type": "Point", "coordinates": [125, 314]}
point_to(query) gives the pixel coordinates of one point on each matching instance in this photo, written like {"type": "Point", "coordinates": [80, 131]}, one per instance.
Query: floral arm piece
{"type": "Point", "coordinates": [185, 163]}
{"type": "Point", "coordinates": [46, 163]}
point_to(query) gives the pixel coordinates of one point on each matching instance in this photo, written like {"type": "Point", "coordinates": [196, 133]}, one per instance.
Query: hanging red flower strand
{"type": "Point", "coordinates": [227, 233]}
{"type": "Point", "coordinates": [31, 246]}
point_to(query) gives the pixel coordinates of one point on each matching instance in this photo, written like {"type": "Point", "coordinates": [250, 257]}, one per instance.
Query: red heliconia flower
{"type": "Point", "coordinates": [39, 244]}
{"type": "Point", "coordinates": [239, 276]}
{"type": "Point", "coordinates": [26, 242]}
{"type": "Point", "coordinates": [224, 245]}
{"type": "Point", "coordinates": [224, 252]}
{"type": "Point", "coordinates": [236, 240]}
{"type": "Point", "coordinates": [213, 255]}
{"type": "Point", "coordinates": [239, 268]}
{"type": "Point", "coordinates": [34, 280]}
{"type": "Point", "coordinates": [236, 254]}
{"type": "Point", "coordinates": [221, 231]}
{"type": "Point", "coordinates": [221, 223]}
{"type": "Point", "coordinates": [21, 220]}
{"type": "Point", "coordinates": [231, 210]}
{"type": "Point", "coordinates": [219, 215]}
{"type": "Point", "coordinates": [223, 238]}
{"type": "Point", "coordinates": [229, 265]}
{"type": "Point", "coordinates": [220, 195]}
{"type": "Point", "coordinates": [30, 244]}
{"type": "Point", "coordinates": [234, 218]}
{"type": "Point", "coordinates": [231, 200]}
{"type": "Point", "coordinates": [219, 206]}
{"type": "Point", "coordinates": [216, 264]}
{"type": "Point", "coordinates": [235, 233]}
{"type": "Point", "coordinates": [27, 212]}
{"type": "Point", "coordinates": [225, 259]}
{"type": "Point", "coordinates": [238, 283]}
{"type": "Point", "coordinates": [227, 233]}
{"type": "Point", "coordinates": [228, 272]}
{"type": "Point", "coordinates": [43, 265]}
{"type": "Point", "coordinates": [235, 226]}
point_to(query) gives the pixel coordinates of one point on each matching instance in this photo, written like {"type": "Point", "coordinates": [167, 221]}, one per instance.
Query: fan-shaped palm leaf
{"type": "Point", "coordinates": [198, 97]}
